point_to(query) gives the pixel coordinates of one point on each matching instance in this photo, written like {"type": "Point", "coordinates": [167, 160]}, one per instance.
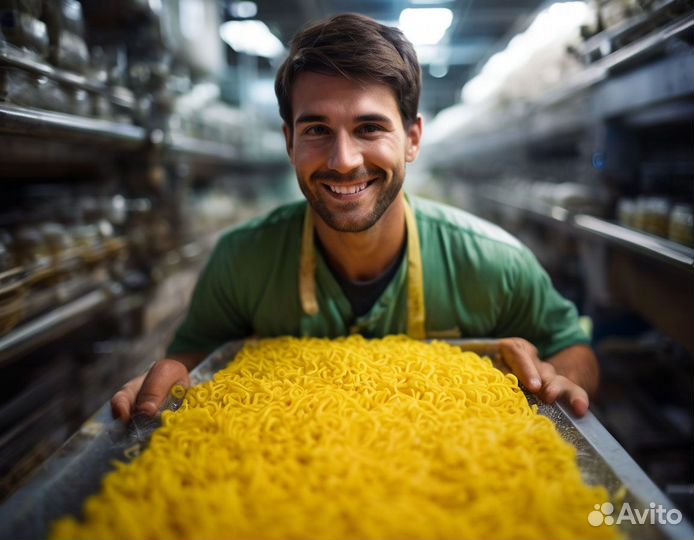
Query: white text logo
{"type": "Point", "coordinates": [654, 514]}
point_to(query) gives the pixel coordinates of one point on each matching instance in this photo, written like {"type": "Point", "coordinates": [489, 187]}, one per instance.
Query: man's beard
{"type": "Point", "coordinates": [385, 198]}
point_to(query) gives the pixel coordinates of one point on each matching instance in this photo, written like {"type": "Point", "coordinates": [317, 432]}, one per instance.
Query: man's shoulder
{"type": "Point", "coordinates": [452, 220]}
{"type": "Point", "coordinates": [271, 226]}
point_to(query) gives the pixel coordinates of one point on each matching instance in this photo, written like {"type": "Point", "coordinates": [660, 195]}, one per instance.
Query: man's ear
{"type": "Point", "coordinates": [414, 139]}
{"type": "Point", "coordinates": [288, 142]}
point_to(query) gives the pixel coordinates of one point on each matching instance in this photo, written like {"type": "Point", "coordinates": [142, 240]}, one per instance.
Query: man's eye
{"type": "Point", "coordinates": [370, 128]}
{"type": "Point", "coordinates": [316, 130]}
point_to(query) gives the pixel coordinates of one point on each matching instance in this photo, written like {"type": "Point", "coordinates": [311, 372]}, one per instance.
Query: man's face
{"type": "Point", "coordinates": [349, 148]}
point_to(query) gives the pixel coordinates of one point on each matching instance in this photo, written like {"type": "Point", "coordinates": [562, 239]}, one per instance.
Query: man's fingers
{"type": "Point", "coordinates": [522, 358]}
{"type": "Point", "coordinates": [579, 406]}
{"type": "Point", "coordinates": [578, 399]}
{"type": "Point", "coordinates": [560, 387]}
{"type": "Point", "coordinates": [541, 378]}
{"type": "Point", "coordinates": [146, 393]}
{"type": "Point", "coordinates": [123, 401]}
{"type": "Point", "coordinates": [157, 385]}
{"type": "Point", "coordinates": [120, 407]}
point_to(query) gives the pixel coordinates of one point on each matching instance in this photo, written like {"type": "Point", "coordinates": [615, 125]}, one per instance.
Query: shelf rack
{"type": "Point", "coordinates": [654, 247]}
{"type": "Point", "coordinates": [31, 122]}
{"type": "Point", "coordinates": [57, 322]}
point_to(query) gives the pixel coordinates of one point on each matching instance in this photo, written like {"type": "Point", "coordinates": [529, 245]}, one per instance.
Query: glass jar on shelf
{"type": "Point", "coordinates": [657, 216]}
{"type": "Point", "coordinates": [681, 226]}
{"type": "Point", "coordinates": [626, 212]}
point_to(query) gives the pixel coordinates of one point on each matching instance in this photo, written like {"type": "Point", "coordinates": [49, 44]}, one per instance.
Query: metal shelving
{"type": "Point", "coordinates": [12, 56]}
{"type": "Point", "coordinates": [657, 248]}
{"type": "Point", "coordinates": [200, 149]}
{"type": "Point", "coordinates": [609, 40]}
{"type": "Point", "coordinates": [612, 86]}
{"type": "Point", "coordinates": [592, 227]}
{"type": "Point", "coordinates": [35, 122]}
{"type": "Point", "coordinates": [16, 120]}
{"type": "Point", "coordinates": [618, 60]}
{"type": "Point", "coordinates": [57, 322]}
{"type": "Point", "coordinates": [547, 213]}
{"type": "Point", "coordinates": [41, 123]}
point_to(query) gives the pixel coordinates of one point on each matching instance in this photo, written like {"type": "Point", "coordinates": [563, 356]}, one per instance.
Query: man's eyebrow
{"type": "Point", "coordinates": [373, 118]}
{"type": "Point", "coordinates": [307, 118]}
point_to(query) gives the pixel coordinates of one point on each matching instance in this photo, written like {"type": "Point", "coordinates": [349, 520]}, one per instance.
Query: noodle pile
{"type": "Point", "coordinates": [350, 438]}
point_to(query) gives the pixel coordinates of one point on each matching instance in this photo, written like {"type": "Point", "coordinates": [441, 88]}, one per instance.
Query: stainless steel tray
{"type": "Point", "coordinates": [75, 471]}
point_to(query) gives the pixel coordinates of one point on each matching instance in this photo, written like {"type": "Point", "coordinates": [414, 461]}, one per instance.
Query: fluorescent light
{"type": "Point", "coordinates": [244, 10]}
{"type": "Point", "coordinates": [251, 37]}
{"type": "Point", "coordinates": [551, 24]}
{"type": "Point", "coordinates": [192, 16]}
{"type": "Point", "coordinates": [425, 26]}
{"type": "Point", "coordinates": [438, 71]}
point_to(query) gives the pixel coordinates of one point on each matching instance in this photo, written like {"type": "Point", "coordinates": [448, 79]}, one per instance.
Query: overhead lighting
{"type": "Point", "coordinates": [425, 26]}
{"type": "Point", "coordinates": [192, 17]}
{"type": "Point", "coordinates": [438, 71]}
{"type": "Point", "coordinates": [251, 37]}
{"type": "Point", "coordinates": [553, 23]}
{"type": "Point", "coordinates": [244, 10]}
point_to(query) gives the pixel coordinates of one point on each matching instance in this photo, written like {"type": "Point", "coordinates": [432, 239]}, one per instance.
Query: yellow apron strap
{"type": "Point", "coordinates": [307, 269]}
{"type": "Point", "coordinates": [415, 279]}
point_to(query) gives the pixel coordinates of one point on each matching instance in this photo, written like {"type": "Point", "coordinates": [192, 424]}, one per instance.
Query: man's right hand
{"type": "Point", "coordinates": [146, 394]}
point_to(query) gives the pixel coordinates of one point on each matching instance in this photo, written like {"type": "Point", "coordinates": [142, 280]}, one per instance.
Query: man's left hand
{"type": "Point", "coordinates": [541, 378]}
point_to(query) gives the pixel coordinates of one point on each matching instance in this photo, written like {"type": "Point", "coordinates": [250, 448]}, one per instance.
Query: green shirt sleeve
{"type": "Point", "coordinates": [215, 315]}
{"type": "Point", "coordinates": [534, 310]}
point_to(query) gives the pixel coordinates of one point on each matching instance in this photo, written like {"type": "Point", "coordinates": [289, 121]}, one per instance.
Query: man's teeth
{"type": "Point", "coordinates": [348, 190]}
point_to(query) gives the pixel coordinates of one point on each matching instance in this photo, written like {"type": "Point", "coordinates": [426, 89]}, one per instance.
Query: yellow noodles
{"type": "Point", "coordinates": [310, 438]}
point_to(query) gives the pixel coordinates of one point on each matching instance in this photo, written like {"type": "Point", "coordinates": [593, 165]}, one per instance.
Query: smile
{"type": "Point", "coordinates": [348, 190]}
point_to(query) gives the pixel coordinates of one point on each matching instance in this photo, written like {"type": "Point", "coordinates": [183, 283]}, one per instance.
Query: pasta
{"type": "Point", "coordinates": [349, 438]}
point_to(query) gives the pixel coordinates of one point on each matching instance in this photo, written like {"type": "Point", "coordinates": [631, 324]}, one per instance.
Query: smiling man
{"type": "Point", "coordinates": [358, 256]}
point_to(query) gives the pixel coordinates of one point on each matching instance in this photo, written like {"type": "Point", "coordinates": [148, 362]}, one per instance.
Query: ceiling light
{"type": "Point", "coordinates": [244, 10]}
{"type": "Point", "coordinates": [425, 26]}
{"type": "Point", "coordinates": [251, 37]}
{"type": "Point", "coordinates": [438, 71]}
{"type": "Point", "coordinates": [557, 21]}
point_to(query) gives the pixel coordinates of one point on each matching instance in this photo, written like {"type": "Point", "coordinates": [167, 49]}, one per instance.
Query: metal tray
{"type": "Point", "coordinates": [74, 472]}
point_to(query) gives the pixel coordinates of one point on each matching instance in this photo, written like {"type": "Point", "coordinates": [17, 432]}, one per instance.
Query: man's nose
{"type": "Point", "coordinates": [345, 154]}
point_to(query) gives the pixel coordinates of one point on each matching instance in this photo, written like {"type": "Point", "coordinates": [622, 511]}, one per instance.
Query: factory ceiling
{"type": "Point", "coordinates": [478, 29]}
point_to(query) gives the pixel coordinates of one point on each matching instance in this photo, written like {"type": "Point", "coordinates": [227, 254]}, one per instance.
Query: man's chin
{"type": "Point", "coordinates": [347, 225]}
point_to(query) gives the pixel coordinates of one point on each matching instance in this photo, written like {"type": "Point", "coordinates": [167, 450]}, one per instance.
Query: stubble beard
{"type": "Point", "coordinates": [383, 202]}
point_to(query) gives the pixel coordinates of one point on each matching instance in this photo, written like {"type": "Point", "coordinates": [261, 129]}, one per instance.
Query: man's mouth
{"type": "Point", "coordinates": [353, 189]}
{"type": "Point", "coordinates": [348, 190]}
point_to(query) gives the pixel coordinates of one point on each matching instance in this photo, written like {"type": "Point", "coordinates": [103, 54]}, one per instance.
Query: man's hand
{"type": "Point", "coordinates": [569, 375]}
{"type": "Point", "coordinates": [146, 393]}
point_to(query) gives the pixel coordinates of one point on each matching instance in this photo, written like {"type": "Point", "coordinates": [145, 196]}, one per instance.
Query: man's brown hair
{"type": "Point", "coordinates": [358, 48]}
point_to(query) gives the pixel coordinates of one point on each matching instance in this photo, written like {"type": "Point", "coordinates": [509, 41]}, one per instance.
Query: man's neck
{"type": "Point", "coordinates": [366, 255]}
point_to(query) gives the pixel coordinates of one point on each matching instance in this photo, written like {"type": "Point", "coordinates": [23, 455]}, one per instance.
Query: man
{"type": "Point", "coordinates": [361, 256]}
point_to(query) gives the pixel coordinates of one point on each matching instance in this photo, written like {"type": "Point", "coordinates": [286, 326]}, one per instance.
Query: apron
{"type": "Point", "coordinates": [415, 276]}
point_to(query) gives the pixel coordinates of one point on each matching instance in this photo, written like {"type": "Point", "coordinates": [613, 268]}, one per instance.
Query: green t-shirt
{"type": "Point", "coordinates": [479, 281]}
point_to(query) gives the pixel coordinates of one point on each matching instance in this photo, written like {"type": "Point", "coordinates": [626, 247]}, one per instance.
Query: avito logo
{"type": "Point", "coordinates": [654, 514]}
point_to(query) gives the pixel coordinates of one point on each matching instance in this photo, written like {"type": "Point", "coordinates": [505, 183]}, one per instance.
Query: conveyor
{"type": "Point", "coordinates": [74, 472]}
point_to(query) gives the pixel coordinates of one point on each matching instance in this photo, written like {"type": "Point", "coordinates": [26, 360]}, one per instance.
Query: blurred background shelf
{"type": "Point", "coordinates": [225, 154]}
{"type": "Point", "coordinates": [591, 227]}
{"type": "Point", "coordinates": [58, 322]}
{"type": "Point", "coordinates": [21, 58]}
{"type": "Point", "coordinates": [30, 122]}
{"type": "Point", "coordinates": [660, 249]}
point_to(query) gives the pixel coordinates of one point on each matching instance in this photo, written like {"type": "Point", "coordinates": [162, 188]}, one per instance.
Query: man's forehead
{"type": "Point", "coordinates": [317, 94]}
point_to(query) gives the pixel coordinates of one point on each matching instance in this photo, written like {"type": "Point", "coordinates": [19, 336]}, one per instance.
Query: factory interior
{"type": "Point", "coordinates": [134, 132]}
